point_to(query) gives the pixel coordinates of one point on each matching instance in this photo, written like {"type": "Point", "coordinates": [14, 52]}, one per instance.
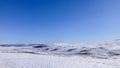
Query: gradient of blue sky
{"type": "Point", "coordinates": [43, 21]}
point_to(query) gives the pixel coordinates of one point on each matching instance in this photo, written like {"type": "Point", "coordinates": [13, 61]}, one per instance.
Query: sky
{"type": "Point", "coordinates": [48, 21]}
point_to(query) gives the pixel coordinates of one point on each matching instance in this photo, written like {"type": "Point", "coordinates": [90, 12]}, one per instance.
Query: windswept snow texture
{"type": "Point", "coordinates": [16, 60]}
{"type": "Point", "coordinates": [61, 55]}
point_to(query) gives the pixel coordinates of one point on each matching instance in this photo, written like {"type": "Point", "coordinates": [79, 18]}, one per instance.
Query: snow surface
{"type": "Point", "coordinates": [16, 60]}
{"type": "Point", "coordinates": [61, 55]}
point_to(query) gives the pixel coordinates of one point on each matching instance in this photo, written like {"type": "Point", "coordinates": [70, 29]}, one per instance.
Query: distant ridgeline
{"type": "Point", "coordinates": [19, 45]}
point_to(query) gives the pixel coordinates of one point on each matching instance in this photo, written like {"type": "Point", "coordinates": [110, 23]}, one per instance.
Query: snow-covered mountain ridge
{"type": "Point", "coordinates": [99, 49]}
{"type": "Point", "coordinates": [61, 55]}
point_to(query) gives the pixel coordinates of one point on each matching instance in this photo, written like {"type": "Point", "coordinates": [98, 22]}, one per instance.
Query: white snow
{"type": "Point", "coordinates": [22, 60]}
{"type": "Point", "coordinates": [62, 55]}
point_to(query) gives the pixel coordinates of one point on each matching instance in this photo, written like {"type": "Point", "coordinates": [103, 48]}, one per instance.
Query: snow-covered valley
{"type": "Point", "coordinates": [61, 55]}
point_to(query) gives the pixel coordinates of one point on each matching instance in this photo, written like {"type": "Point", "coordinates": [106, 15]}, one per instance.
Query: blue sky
{"type": "Point", "coordinates": [47, 21]}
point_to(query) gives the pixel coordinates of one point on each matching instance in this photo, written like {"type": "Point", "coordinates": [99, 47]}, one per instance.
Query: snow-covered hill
{"type": "Point", "coordinates": [61, 55]}
{"type": "Point", "coordinates": [98, 50]}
